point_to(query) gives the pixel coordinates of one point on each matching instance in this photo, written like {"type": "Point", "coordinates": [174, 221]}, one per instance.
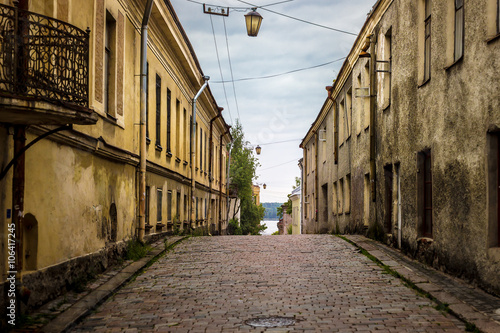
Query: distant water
{"type": "Point", "coordinates": [272, 226]}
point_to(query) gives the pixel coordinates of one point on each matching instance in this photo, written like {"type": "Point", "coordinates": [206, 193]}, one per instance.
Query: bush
{"type": "Point", "coordinates": [289, 229]}
{"type": "Point", "coordinates": [233, 227]}
{"type": "Point", "coordinates": [277, 232]}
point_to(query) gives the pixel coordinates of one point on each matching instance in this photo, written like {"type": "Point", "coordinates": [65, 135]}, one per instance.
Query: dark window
{"type": "Point", "coordinates": [158, 110]}
{"type": "Point", "coordinates": [427, 46]}
{"type": "Point", "coordinates": [178, 207]}
{"type": "Point", "coordinates": [201, 149]}
{"type": "Point", "coordinates": [178, 137]}
{"type": "Point", "coordinates": [197, 209]}
{"type": "Point", "coordinates": [159, 200]}
{"type": "Point", "coordinates": [388, 198]}
{"type": "Point", "coordinates": [185, 207]}
{"type": "Point", "coordinates": [169, 206]}
{"type": "Point", "coordinates": [108, 63]}
{"type": "Point", "coordinates": [169, 115]}
{"type": "Point", "coordinates": [147, 101]}
{"type": "Point", "coordinates": [459, 29]}
{"type": "Point", "coordinates": [186, 149]}
{"type": "Point", "coordinates": [427, 194]}
{"type": "Point", "coordinates": [147, 204]}
{"type": "Point", "coordinates": [498, 16]}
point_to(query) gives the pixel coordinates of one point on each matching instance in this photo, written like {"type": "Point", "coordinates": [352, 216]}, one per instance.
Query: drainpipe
{"type": "Point", "coordinates": [316, 181]}
{"type": "Point", "coordinates": [210, 179]}
{"type": "Point", "coordinates": [143, 151]}
{"type": "Point", "coordinates": [227, 183]}
{"type": "Point", "coordinates": [193, 149]}
{"type": "Point", "coordinates": [373, 95]}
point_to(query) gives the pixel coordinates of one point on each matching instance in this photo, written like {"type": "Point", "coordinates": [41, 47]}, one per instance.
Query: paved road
{"type": "Point", "coordinates": [216, 284]}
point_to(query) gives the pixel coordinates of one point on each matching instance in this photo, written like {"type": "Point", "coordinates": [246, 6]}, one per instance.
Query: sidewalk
{"type": "Point", "coordinates": [465, 301]}
{"type": "Point", "coordinates": [67, 309]}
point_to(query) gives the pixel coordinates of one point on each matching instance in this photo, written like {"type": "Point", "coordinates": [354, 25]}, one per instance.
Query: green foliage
{"type": "Point", "coordinates": [289, 229]}
{"type": "Point", "coordinates": [233, 227]}
{"type": "Point", "coordinates": [242, 174]}
{"type": "Point", "coordinates": [376, 231]}
{"type": "Point", "coordinates": [277, 232]}
{"type": "Point", "coordinates": [136, 250]}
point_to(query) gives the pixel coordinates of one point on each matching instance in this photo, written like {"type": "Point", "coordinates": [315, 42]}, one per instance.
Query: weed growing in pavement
{"type": "Point", "coordinates": [136, 250]}
{"type": "Point", "coordinates": [442, 307]}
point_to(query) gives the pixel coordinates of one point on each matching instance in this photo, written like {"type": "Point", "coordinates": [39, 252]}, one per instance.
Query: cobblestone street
{"type": "Point", "coordinates": [217, 284]}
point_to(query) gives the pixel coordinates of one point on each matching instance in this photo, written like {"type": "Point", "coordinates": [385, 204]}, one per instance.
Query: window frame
{"type": "Point", "coordinates": [158, 111]}
{"type": "Point", "coordinates": [427, 39]}
{"type": "Point", "coordinates": [458, 50]}
{"type": "Point", "coordinates": [169, 120]}
{"type": "Point", "coordinates": [159, 205]}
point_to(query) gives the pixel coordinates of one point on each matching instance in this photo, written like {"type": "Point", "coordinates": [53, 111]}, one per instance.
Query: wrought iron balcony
{"type": "Point", "coordinates": [46, 61]}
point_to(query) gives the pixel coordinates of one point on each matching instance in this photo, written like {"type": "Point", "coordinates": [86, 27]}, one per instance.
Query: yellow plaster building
{"type": "Point", "coordinates": [79, 185]}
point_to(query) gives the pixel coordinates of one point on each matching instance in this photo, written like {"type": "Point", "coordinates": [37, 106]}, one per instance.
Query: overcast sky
{"type": "Point", "coordinates": [280, 108]}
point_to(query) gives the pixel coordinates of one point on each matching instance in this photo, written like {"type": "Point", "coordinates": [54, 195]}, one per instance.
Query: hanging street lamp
{"type": "Point", "coordinates": [258, 150]}
{"type": "Point", "coordinates": [253, 21]}
{"type": "Point", "coordinates": [264, 186]}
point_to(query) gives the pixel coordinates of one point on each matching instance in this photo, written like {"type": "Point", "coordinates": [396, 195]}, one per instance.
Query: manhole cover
{"type": "Point", "coordinates": [270, 322]}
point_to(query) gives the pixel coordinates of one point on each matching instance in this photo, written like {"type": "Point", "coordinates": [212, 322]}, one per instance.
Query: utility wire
{"type": "Point", "coordinates": [300, 20]}
{"type": "Point", "coordinates": [231, 69]}
{"type": "Point", "coordinates": [220, 69]}
{"type": "Point", "coordinates": [272, 143]}
{"type": "Point", "coordinates": [280, 74]}
{"type": "Point", "coordinates": [275, 166]}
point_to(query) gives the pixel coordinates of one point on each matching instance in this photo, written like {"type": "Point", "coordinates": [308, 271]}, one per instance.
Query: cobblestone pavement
{"type": "Point", "coordinates": [216, 284]}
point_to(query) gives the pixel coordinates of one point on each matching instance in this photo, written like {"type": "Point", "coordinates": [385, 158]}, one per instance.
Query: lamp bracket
{"type": "Point", "coordinates": [215, 10]}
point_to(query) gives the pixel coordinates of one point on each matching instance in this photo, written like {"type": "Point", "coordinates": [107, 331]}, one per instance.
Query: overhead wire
{"type": "Point", "coordinates": [220, 69]}
{"type": "Point", "coordinates": [231, 69]}
{"type": "Point", "coordinates": [300, 20]}
{"type": "Point", "coordinates": [275, 166]}
{"type": "Point", "coordinates": [272, 143]}
{"type": "Point", "coordinates": [285, 73]}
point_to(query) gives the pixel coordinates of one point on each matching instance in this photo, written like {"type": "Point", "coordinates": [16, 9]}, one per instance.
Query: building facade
{"type": "Point", "coordinates": [411, 125]}
{"type": "Point", "coordinates": [81, 186]}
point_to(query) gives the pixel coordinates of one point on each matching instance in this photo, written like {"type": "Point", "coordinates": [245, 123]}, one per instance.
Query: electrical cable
{"type": "Point", "coordinates": [300, 20]}
{"type": "Point", "coordinates": [280, 74]}
{"type": "Point", "coordinates": [275, 166]}
{"type": "Point", "coordinates": [231, 69]}
{"type": "Point", "coordinates": [272, 143]}
{"type": "Point", "coordinates": [220, 69]}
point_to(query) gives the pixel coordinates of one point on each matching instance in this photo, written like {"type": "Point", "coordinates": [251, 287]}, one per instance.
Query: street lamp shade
{"type": "Point", "coordinates": [253, 21]}
{"type": "Point", "coordinates": [264, 186]}
{"type": "Point", "coordinates": [258, 150]}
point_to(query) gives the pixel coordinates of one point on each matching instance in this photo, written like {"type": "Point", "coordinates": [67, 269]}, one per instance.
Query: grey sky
{"type": "Point", "coordinates": [280, 108]}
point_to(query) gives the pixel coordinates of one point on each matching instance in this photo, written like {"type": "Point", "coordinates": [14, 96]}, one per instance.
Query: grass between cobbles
{"type": "Point", "coordinates": [441, 307]}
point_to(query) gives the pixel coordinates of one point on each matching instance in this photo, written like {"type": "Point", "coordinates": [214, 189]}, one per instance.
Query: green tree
{"type": "Point", "coordinates": [287, 206]}
{"type": "Point", "coordinates": [242, 174]}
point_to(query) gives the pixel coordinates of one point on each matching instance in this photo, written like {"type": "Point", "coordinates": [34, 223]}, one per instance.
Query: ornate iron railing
{"type": "Point", "coordinates": [43, 58]}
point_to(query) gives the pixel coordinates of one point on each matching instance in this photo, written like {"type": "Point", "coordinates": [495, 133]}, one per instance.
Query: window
{"type": "Point", "coordinates": [348, 110]}
{"type": "Point", "coordinates": [384, 70]}
{"type": "Point", "coordinates": [342, 121]}
{"type": "Point", "coordinates": [169, 115]}
{"type": "Point", "coordinates": [158, 111]}
{"type": "Point", "coordinates": [341, 196]}
{"type": "Point", "coordinates": [186, 214]}
{"type": "Point", "coordinates": [427, 43]}
{"type": "Point", "coordinates": [388, 175]}
{"type": "Point", "coordinates": [201, 149]}
{"type": "Point", "coordinates": [146, 213]}
{"type": "Point", "coordinates": [187, 131]}
{"type": "Point", "coordinates": [459, 29]}
{"type": "Point", "coordinates": [494, 190]}
{"type": "Point", "coordinates": [178, 128]}
{"type": "Point", "coordinates": [159, 199]}
{"type": "Point", "coordinates": [109, 64]}
{"type": "Point", "coordinates": [334, 199]}
{"type": "Point", "coordinates": [424, 189]}
{"type": "Point", "coordinates": [366, 200]}
{"type": "Point", "coordinates": [169, 206]}
{"type": "Point", "coordinates": [178, 207]}
{"type": "Point", "coordinates": [197, 209]}
{"type": "Point", "coordinates": [147, 102]}
{"type": "Point", "coordinates": [498, 16]}
{"type": "Point", "coordinates": [347, 193]}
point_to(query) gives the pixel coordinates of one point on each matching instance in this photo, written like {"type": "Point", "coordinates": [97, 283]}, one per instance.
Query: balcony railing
{"type": "Point", "coordinates": [42, 58]}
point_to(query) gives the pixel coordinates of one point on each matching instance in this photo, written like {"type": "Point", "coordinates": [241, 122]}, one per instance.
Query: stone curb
{"type": "Point", "coordinates": [458, 307]}
{"type": "Point", "coordinates": [64, 321]}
